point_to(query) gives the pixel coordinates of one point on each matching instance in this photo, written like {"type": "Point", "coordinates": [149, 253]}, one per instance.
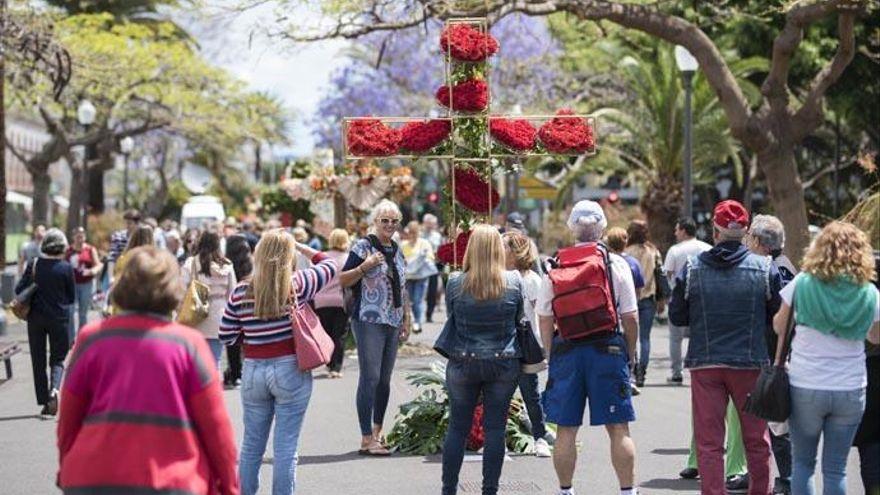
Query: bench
{"type": "Point", "coordinates": [7, 350]}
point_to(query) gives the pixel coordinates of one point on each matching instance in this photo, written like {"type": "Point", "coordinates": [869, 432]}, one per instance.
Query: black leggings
{"type": "Point", "coordinates": [335, 322]}
{"type": "Point", "coordinates": [40, 329]}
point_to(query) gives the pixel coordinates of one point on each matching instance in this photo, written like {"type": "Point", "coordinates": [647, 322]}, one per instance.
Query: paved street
{"type": "Point", "coordinates": [328, 459]}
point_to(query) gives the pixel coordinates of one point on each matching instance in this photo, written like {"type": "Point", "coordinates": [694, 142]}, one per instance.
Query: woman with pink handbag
{"type": "Point", "coordinates": [281, 342]}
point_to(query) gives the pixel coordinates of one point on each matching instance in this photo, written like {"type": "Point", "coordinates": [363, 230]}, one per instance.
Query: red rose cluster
{"type": "Point", "coordinates": [473, 192]}
{"type": "Point", "coordinates": [467, 44]}
{"type": "Point", "coordinates": [370, 137]}
{"type": "Point", "coordinates": [468, 96]}
{"type": "Point", "coordinates": [420, 137]}
{"type": "Point", "coordinates": [477, 436]}
{"type": "Point", "coordinates": [567, 134]}
{"type": "Point", "coordinates": [453, 254]}
{"type": "Point", "coordinates": [516, 134]}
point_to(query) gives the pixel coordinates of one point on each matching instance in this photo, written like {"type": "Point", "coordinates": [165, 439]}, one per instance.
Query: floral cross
{"type": "Point", "coordinates": [468, 137]}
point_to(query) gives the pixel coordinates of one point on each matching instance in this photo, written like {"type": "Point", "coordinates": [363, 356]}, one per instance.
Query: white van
{"type": "Point", "coordinates": [200, 210]}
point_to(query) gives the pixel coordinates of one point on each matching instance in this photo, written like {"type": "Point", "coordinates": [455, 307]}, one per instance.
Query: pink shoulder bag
{"type": "Point", "coordinates": [313, 346]}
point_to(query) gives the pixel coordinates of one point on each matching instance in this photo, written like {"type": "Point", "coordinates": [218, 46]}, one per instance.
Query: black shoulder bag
{"type": "Point", "coordinates": [771, 398]}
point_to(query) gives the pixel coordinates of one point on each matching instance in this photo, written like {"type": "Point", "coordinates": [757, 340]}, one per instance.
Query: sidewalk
{"type": "Point", "coordinates": [329, 462]}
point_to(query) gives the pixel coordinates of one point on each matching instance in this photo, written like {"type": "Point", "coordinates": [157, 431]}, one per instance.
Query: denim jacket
{"type": "Point", "coordinates": [728, 297]}
{"type": "Point", "coordinates": [481, 329]}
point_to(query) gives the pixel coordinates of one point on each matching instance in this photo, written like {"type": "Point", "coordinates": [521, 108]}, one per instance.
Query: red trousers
{"type": "Point", "coordinates": [710, 390]}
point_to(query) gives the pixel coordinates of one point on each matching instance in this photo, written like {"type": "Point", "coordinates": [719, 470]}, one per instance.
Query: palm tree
{"type": "Point", "coordinates": [644, 134]}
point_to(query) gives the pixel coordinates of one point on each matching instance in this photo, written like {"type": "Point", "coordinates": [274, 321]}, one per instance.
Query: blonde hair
{"type": "Point", "coordinates": [338, 240]}
{"type": "Point", "coordinates": [413, 226]}
{"type": "Point", "coordinates": [273, 272]}
{"type": "Point", "coordinates": [841, 249]}
{"type": "Point", "coordinates": [484, 264]}
{"type": "Point", "coordinates": [616, 238]}
{"type": "Point", "coordinates": [520, 247]}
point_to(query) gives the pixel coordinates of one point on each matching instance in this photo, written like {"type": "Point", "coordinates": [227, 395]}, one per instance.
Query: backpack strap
{"type": "Point", "coordinates": [606, 258]}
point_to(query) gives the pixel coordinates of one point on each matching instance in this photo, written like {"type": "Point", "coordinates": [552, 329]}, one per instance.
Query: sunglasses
{"type": "Point", "coordinates": [389, 221]}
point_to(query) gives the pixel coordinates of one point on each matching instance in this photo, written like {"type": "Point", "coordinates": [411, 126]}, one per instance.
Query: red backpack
{"type": "Point", "coordinates": [583, 295]}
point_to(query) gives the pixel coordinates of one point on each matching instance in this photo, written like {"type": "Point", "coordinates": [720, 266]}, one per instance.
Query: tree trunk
{"type": "Point", "coordinates": [95, 188]}
{"type": "Point", "coordinates": [77, 198]}
{"type": "Point", "coordinates": [42, 183]}
{"type": "Point", "coordinates": [258, 163]}
{"type": "Point", "coordinates": [661, 205]}
{"type": "Point", "coordinates": [787, 197]}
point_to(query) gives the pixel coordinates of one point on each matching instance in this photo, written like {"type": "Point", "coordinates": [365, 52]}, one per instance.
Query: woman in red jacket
{"type": "Point", "coordinates": [141, 406]}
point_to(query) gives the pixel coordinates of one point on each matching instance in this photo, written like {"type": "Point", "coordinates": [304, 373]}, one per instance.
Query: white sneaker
{"type": "Point", "coordinates": [542, 448]}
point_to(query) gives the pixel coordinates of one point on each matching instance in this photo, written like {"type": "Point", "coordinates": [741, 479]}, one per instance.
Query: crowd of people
{"type": "Point", "coordinates": [591, 307]}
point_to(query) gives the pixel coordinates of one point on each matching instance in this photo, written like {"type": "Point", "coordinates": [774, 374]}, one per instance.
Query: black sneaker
{"type": "Point", "coordinates": [738, 483]}
{"type": "Point", "coordinates": [689, 473]}
{"type": "Point", "coordinates": [52, 406]}
{"type": "Point", "coordinates": [782, 487]}
{"type": "Point", "coordinates": [640, 376]}
{"type": "Point", "coordinates": [675, 380]}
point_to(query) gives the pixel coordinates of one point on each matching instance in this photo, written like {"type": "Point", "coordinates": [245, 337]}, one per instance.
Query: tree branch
{"type": "Point", "coordinates": [810, 114]}
{"type": "Point", "coordinates": [825, 171]}
{"type": "Point", "coordinates": [775, 87]}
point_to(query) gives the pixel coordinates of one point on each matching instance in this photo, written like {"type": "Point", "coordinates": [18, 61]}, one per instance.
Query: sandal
{"type": "Point", "coordinates": [375, 451]}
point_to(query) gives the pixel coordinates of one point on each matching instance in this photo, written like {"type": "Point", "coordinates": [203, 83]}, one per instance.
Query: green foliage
{"type": "Point", "coordinates": [178, 195]}
{"type": "Point", "coordinates": [420, 425]}
{"type": "Point", "coordinates": [275, 200]}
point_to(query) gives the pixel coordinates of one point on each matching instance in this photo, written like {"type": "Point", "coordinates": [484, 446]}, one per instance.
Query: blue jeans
{"type": "Point", "coordinates": [377, 351]}
{"type": "Point", "coordinates": [468, 381]}
{"type": "Point", "coordinates": [647, 309]}
{"type": "Point", "coordinates": [216, 349]}
{"type": "Point", "coordinates": [833, 415]}
{"type": "Point", "coordinates": [81, 305]}
{"type": "Point", "coordinates": [528, 387]}
{"type": "Point", "coordinates": [417, 289]}
{"type": "Point", "coordinates": [272, 389]}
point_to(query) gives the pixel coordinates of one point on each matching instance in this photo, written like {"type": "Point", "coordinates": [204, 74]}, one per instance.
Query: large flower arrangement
{"type": "Point", "coordinates": [421, 137]}
{"type": "Point", "coordinates": [516, 134]}
{"type": "Point", "coordinates": [453, 253]}
{"type": "Point", "coordinates": [467, 96]}
{"type": "Point", "coordinates": [370, 137]}
{"type": "Point", "coordinates": [403, 184]}
{"type": "Point", "coordinates": [567, 134]}
{"type": "Point", "coordinates": [421, 424]}
{"type": "Point", "coordinates": [473, 192]}
{"type": "Point", "coordinates": [324, 183]}
{"type": "Point", "coordinates": [467, 44]}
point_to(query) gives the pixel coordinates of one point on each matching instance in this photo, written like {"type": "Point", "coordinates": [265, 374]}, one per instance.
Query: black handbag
{"type": "Point", "coordinates": [771, 398]}
{"type": "Point", "coordinates": [528, 343]}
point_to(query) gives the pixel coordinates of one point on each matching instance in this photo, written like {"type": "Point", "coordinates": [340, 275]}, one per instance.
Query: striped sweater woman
{"type": "Point", "coordinates": [273, 388]}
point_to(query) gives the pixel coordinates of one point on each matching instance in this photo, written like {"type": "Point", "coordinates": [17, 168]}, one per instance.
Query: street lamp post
{"type": "Point", "coordinates": [126, 146]}
{"type": "Point", "coordinates": [688, 65]}
{"type": "Point", "coordinates": [85, 115]}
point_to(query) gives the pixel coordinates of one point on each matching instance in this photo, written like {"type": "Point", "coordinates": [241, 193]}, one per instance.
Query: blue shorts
{"type": "Point", "coordinates": [589, 371]}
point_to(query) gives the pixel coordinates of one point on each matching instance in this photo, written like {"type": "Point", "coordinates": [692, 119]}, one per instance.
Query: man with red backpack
{"type": "Point", "coordinates": [586, 297]}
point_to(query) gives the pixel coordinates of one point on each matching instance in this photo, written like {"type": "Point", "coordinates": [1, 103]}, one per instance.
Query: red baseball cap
{"type": "Point", "coordinates": [730, 214]}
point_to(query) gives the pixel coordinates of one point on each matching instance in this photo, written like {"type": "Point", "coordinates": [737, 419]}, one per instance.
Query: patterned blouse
{"type": "Point", "coordinates": [374, 302]}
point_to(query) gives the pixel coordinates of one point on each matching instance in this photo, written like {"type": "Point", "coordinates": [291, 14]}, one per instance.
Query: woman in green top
{"type": "Point", "coordinates": [835, 308]}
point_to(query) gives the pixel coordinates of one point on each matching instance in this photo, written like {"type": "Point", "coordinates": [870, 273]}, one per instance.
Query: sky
{"type": "Point", "coordinates": [294, 72]}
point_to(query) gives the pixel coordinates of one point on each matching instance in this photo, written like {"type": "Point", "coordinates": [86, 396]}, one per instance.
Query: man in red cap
{"type": "Point", "coordinates": [727, 296]}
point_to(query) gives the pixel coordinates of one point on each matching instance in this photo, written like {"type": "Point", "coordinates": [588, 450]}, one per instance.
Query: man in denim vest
{"type": "Point", "coordinates": [728, 297]}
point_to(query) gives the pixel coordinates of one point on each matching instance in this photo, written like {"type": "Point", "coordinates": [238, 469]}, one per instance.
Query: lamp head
{"type": "Point", "coordinates": [685, 61]}
{"type": "Point", "coordinates": [126, 145]}
{"type": "Point", "coordinates": [86, 113]}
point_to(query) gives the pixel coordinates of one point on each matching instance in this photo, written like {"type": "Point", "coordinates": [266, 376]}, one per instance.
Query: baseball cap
{"type": "Point", "coordinates": [730, 215]}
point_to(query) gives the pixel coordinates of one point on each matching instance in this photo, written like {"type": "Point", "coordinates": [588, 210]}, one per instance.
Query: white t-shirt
{"type": "Point", "coordinates": [678, 255]}
{"type": "Point", "coordinates": [531, 287]}
{"type": "Point", "coordinates": [621, 278]}
{"type": "Point", "coordinates": [825, 362]}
